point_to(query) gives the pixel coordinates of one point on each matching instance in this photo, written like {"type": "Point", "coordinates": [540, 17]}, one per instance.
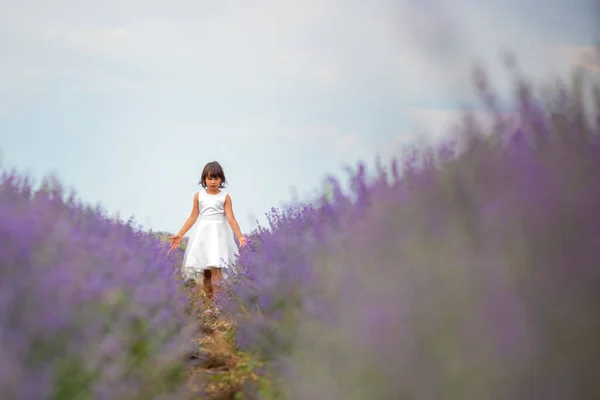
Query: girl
{"type": "Point", "coordinates": [212, 248]}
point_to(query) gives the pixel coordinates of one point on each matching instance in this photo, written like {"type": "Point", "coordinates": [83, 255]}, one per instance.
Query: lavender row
{"type": "Point", "coordinates": [471, 271]}
{"type": "Point", "coordinates": [89, 307]}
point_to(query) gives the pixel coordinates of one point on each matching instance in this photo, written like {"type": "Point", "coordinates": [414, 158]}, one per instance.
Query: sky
{"type": "Point", "coordinates": [125, 101]}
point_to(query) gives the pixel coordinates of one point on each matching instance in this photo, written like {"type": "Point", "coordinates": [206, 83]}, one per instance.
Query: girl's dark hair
{"type": "Point", "coordinates": [212, 169]}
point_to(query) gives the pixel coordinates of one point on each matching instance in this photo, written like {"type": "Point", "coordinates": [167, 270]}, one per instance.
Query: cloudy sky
{"type": "Point", "coordinates": [127, 100]}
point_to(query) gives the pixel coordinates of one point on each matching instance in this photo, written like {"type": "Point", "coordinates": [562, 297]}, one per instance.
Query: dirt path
{"type": "Point", "coordinates": [217, 371]}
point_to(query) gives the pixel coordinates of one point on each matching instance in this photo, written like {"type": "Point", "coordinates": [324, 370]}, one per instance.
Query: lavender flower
{"type": "Point", "coordinates": [89, 307]}
{"type": "Point", "coordinates": [473, 273]}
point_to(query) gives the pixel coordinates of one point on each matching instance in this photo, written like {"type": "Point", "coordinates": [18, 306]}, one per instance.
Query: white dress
{"type": "Point", "coordinates": [213, 244]}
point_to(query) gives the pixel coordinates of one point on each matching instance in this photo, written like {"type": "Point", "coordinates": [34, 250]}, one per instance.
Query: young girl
{"type": "Point", "coordinates": [212, 248]}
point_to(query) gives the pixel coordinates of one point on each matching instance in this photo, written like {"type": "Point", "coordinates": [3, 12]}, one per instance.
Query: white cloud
{"type": "Point", "coordinates": [99, 81]}
{"type": "Point", "coordinates": [271, 46]}
{"type": "Point", "coordinates": [453, 38]}
{"type": "Point", "coordinates": [430, 126]}
{"type": "Point", "coordinates": [346, 142]}
{"type": "Point", "coordinates": [245, 48]}
{"type": "Point", "coordinates": [269, 49]}
{"type": "Point", "coordinates": [585, 57]}
{"type": "Point", "coordinates": [443, 122]}
{"type": "Point", "coordinates": [260, 127]}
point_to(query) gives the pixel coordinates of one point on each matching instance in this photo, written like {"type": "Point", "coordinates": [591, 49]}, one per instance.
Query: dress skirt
{"type": "Point", "coordinates": [213, 246]}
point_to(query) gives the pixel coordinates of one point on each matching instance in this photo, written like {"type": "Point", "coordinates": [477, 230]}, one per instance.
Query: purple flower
{"type": "Point", "coordinates": [469, 274]}
{"type": "Point", "coordinates": [80, 298]}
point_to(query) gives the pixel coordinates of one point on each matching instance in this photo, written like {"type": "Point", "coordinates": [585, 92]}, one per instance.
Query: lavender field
{"type": "Point", "coordinates": [466, 270]}
{"type": "Point", "coordinates": [469, 271]}
{"type": "Point", "coordinates": [89, 307]}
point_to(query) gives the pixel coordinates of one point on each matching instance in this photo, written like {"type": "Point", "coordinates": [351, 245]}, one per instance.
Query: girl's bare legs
{"type": "Point", "coordinates": [217, 277]}
{"type": "Point", "coordinates": [207, 284]}
{"type": "Point", "coordinates": [212, 281]}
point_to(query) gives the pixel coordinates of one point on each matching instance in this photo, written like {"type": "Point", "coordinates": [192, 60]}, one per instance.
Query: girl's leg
{"type": "Point", "coordinates": [217, 277]}
{"type": "Point", "coordinates": [212, 280]}
{"type": "Point", "coordinates": [207, 283]}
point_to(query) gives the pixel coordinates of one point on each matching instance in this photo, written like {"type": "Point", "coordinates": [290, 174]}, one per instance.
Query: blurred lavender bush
{"type": "Point", "coordinates": [471, 272]}
{"type": "Point", "coordinates": [90, 308]}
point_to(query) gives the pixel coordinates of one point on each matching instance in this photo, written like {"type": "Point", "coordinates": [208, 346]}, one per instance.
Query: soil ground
{"type": "Point", "coordinates": [217, 370]}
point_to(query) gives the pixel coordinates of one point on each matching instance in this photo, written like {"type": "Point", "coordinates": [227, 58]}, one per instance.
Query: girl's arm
{"type": "Point", "coordinates": [191, 219]}
{"type": "Point", "coordinates": [232, 221]}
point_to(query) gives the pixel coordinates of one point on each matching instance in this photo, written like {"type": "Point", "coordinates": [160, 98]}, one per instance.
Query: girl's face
{"type": "Point", "coordinates": [213, 182]}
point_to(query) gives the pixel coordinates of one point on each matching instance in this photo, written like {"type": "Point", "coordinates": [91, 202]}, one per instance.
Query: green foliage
{"type": "Point", "coordinates": [73, 380]}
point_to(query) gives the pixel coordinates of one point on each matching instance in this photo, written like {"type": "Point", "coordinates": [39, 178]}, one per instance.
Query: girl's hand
{"type": "Point", "coordinates": [242, 241]}
{"type": "Point", "coordinates": [175, 241]}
